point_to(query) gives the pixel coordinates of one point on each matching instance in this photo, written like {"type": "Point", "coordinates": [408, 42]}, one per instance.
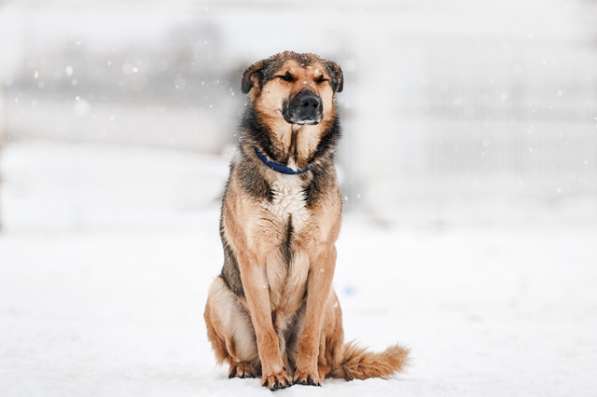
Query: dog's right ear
{"type": "Point", "coordinates": [252, 76]}
{"type": "Point", "coordinates": [337, 76]}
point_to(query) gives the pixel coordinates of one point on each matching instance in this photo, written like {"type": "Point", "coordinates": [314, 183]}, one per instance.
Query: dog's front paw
{"type": "Point", "coordinates": [307, 377]}
{"type": "Point", "coordinates": [276, 381]}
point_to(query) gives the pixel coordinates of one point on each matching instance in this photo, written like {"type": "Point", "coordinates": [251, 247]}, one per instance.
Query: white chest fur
{"type": "Point", "coordinates": [287, 282]}
{"type": "Point", "coordinates": [289, 200]}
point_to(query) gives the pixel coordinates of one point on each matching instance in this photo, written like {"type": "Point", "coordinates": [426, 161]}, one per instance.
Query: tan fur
{"type": "Point", "coordinates": [358, 363]}
{"type": "Point", "coordinates": [248, 332]}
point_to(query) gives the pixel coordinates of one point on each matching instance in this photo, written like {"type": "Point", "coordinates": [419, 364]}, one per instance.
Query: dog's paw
{"type": "Point", "coordinates": [243, 369]}
{"type": "Point", "coordinates": [276, 381]}
{"type": "Point", "coordinates": [310, 378]}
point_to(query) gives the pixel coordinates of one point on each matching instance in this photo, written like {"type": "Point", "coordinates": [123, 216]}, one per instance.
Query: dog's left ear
{"type": "Point", "coordinates": [252, 76]}
{"type": "Point", "coordinates": [337, 76]}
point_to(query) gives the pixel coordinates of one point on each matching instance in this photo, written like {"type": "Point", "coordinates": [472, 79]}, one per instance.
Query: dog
{"type": "Point", "coordinates": [272, 312]}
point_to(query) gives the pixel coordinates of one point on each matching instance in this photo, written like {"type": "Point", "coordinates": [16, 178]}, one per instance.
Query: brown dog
{"type": "Point", "coordinates": [272, 311]}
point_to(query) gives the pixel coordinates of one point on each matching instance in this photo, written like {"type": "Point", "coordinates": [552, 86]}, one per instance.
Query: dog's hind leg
{"type": "Point", "coordinates": [331, 341]}
{"type": "Point", "coordinates": [332, 338]}
{"type": "Point", "coordinates": [230, 331]}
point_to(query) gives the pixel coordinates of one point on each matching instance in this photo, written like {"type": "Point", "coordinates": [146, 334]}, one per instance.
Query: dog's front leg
{"type": "Point", "coordinates": [321, 273]}
{"type": "Point", "coordinates": [256, 289]}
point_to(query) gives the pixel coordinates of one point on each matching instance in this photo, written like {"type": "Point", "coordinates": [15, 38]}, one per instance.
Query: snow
{"type": "Point", "coordinates": [484, 312]}
{"type": "Point", "coordinates": [75, 186]}
{"type": "Point", "coordinates": [97, 307]}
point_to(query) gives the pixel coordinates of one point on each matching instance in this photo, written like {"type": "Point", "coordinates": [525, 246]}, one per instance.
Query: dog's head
{"type": "Point", "coordinates": [293, 88]}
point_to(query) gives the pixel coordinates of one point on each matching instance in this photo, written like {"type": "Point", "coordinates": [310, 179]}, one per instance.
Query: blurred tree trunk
{"type": "Point", "coordinates": [2, 142]}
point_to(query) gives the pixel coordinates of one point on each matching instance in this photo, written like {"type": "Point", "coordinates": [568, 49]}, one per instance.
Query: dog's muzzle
{"type": "Point", "coordinates": [304, 108]}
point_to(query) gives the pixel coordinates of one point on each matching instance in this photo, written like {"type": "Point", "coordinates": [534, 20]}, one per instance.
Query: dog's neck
{"type": "Point", "coordinates": [293, 145]}
{"type": "Point", "coordinates": [279, 167]}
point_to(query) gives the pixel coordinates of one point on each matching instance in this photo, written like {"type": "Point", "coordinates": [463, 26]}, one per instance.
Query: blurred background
{"type": "Point", "coordinates": [116, 114]}
{"type": "Point", "coordinates": [468, 166]}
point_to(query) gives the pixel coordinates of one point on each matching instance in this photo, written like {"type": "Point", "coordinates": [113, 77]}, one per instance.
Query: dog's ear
{"type": "Point", "coordinates": [252, 76]}
{"type": "Point", "coordinates": [337, 76]}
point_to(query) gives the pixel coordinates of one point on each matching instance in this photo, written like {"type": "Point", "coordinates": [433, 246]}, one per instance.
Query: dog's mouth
{"type": "Point", "coordinates": [299, 116]}
{"type": "Point", "coordinates": [302, 122]}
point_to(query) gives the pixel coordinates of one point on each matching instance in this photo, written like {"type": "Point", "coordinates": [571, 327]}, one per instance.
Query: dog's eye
{"type": "Point", "coordinates": [287, 77]}
{"type": "Point", "coordinates": [321, 79]}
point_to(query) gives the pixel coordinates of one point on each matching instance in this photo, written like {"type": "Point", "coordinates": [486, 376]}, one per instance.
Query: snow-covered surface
{"type": "Point", "coordinates": [91, 306]}
{"type": "Point", "coordinates": [485, 312]}
{"type": "Point", "coordinates": [75, 186]}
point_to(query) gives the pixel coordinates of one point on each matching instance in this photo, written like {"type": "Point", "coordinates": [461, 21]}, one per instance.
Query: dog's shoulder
{"type": "Point", "coordinates": [250, 180]}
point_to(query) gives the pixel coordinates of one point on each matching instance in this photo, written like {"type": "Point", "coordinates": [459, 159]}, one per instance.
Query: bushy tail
{"type": "Point", "coordinates": [358, 363]}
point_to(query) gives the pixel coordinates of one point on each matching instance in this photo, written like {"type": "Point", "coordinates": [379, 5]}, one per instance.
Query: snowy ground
{"type": "Point", "coordinates": [484, 312]}
{"type": "Point", "coordinates": [117, 311]}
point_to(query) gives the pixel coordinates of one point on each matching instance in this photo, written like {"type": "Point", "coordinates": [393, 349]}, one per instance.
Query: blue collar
{"type": "Point", "coordinates": [279, 167]}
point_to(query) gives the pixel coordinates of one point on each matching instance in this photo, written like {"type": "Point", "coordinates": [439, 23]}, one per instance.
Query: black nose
{"type": "Point", "coordinates": [304, 108]}
{"type": "Point", "coordinates": [310, 102]}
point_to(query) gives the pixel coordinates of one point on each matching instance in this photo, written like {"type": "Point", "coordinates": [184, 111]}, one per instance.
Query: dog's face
{"type": "Point", "coordinates": [291, 88]}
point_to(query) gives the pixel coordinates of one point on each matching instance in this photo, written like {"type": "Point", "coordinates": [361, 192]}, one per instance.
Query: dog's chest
{"type": "Point", "coordinates": [287, 266]}
{"type": "Point", "coordinates": [288, 201]}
